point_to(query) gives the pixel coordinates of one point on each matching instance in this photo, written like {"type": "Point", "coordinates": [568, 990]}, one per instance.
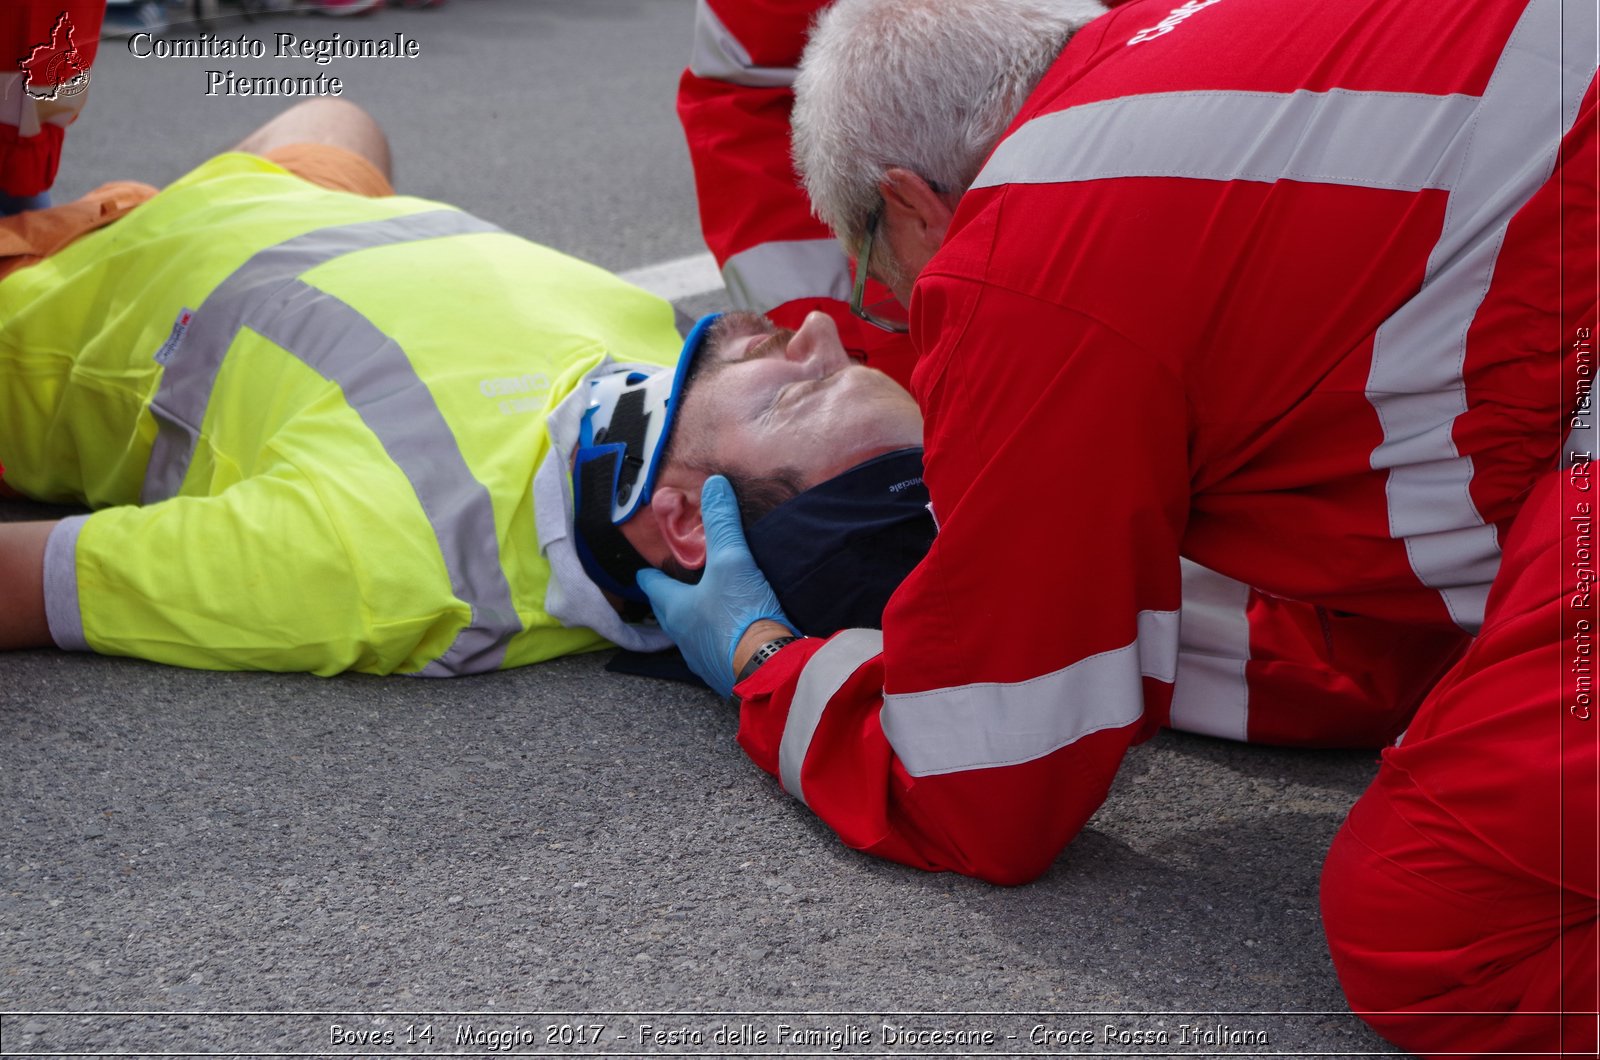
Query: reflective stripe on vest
{"type": "Point", "coordinates": [266, 295]}
{"type": "Point", "coordinates": [1397, 141]}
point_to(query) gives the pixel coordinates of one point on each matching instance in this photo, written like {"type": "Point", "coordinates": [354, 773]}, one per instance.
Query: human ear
{"type": "Point", "coordinates": [677, 514]}
{"type": "Point", "coordinates": [915, 215]}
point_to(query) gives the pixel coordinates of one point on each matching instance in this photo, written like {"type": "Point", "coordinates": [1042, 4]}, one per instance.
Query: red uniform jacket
{"type": "Point", "coordinates": [1253, 666]}
{"type": "Point", "coordinates": [1287, 287]}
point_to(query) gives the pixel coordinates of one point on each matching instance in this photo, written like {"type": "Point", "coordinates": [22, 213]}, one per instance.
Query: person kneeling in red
{"type": "Point", "coordinates": [1460, 896]}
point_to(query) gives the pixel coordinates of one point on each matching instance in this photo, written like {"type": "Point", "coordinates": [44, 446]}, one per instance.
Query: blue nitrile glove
{"type": "Point", "coordinates": [707, 620]}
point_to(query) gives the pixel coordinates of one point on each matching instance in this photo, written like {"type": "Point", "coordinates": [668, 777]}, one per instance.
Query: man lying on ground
{"type": "Point", "coordinates": [325, 431]}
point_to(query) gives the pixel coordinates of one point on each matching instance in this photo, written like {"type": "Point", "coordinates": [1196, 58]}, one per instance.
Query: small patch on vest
{"type": "Point", "coordinates": [179, 327]}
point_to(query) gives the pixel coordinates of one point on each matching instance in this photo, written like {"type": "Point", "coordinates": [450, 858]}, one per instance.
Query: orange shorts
{"type": "Point", "coordinates": [28, 237]}
{"type": "Point", "coordinates": [31, 236]}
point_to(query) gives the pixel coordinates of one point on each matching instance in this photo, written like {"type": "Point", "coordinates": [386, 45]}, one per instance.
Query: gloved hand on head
{"type": "Point", "coordinates": [707, 619]}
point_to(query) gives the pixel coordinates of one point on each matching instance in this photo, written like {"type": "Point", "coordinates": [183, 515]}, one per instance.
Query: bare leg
{"type": "Point", "coordinates": [324, 121]}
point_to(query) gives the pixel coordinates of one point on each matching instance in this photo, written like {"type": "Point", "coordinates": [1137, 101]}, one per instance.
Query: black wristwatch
{"type": "Point", "coordinates": [763, 653]}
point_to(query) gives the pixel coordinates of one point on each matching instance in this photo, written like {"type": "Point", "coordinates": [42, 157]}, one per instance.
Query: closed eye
{"type": "Point", "coordinates": [773, 343]}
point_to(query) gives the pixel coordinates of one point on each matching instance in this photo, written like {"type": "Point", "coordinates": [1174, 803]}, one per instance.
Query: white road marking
{"type": "Point", "coordinates": [687, 277]}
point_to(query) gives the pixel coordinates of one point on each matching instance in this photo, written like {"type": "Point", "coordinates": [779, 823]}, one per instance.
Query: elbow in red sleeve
{"type": "Point", "coordinates": [1003, 823]}
{"type": "Point", "coordinates": [1008, 824]}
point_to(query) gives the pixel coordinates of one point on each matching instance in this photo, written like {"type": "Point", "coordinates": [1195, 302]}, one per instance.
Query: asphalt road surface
{"type": "Point", "coordinates": [509, 862]}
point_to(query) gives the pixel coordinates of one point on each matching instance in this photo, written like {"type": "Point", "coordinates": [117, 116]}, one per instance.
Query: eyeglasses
{"type": "Point", "coordinates": [888, 314]}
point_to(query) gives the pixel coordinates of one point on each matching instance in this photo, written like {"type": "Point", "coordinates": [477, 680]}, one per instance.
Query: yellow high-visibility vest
{"type": "Point", "coordinates": [308, 422]}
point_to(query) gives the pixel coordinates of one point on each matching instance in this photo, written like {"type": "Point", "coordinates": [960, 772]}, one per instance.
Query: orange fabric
{"type": "Point", "coordinates": [32, 235]}
{"type": "Point", "coordinates": [333, 168]}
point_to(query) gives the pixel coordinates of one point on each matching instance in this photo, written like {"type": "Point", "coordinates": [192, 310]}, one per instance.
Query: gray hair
{"type": "Point", "coordinates": [928, 85]}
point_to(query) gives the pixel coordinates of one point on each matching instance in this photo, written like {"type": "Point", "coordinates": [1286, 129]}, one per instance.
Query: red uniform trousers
{"type": "Point", "coordinates": [1465, 879]}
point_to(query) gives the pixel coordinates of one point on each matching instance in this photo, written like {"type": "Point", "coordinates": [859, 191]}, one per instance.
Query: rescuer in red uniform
{"type": "Point", "coordinates": [1297, 291]}
{"type": "Point", "coordinates": [1251, 666]}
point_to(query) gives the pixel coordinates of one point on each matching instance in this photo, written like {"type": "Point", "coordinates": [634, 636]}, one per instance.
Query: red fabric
{"type": "Point", "coordinates": [1255, 292]}
{"type": "Point", "coordinates": [1501, 344]}
{"type": "Point", "coordinates": [1465, 879]}
{"type": "Point", "coordinates": [28, 163]}
{"type": "Point", "coordinates": [739, 141]}
{"type": "Point", "coordinates": [1321, 678]}
{"type": "Point", "coordinates": [1116, 370]}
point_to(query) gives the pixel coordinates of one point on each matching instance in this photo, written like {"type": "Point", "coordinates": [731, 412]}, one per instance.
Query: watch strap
{"type": "Point", "coordinates": [762, 654]}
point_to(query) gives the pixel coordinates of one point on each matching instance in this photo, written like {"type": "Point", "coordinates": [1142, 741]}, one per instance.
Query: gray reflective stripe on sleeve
{"type": "Point", "coordinates": [380, 385]}
{"type": "Point", "coordinates": [180, 401]}
{"type": "Point", "coordinates": [62, 611]}
{"type": "Point", "coordinates": [1211, 695]}
{"type": "Point", "coordinates": [770, 274]}
{"type": "Point", "coordinates": [1367, 139]}
{"type": "Point", "coordinates": [824, 674]}
{"type": "Point", "coordinates": [982, 726]}
{"type": "Point", "coordinates": [719, 56]}
{"type": "Point", "coordinates": [1416, 383]}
